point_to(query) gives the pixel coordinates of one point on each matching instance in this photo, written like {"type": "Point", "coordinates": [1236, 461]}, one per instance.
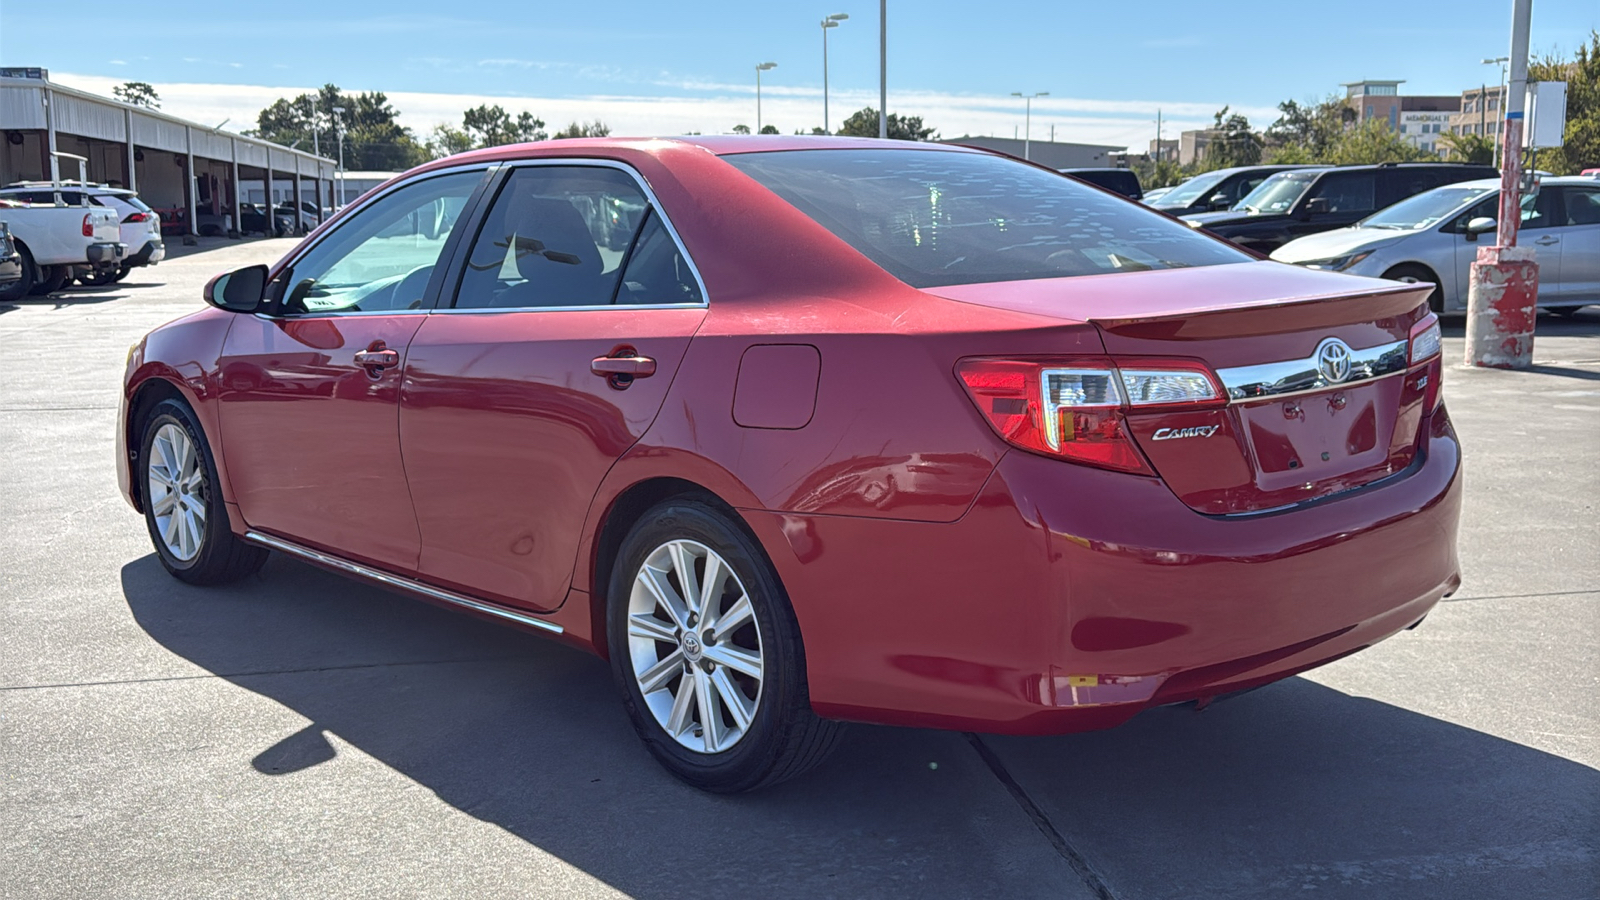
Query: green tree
{"type": "Point", "coordinates": [1469, 148]}
{"type": "Point", "coordinates": [373, 138]}
{"type": "Point", "coordinates": [1307, 133]}
{"type": "Point", "coordinates": [139, 93]}
{"type": "Point", "coordinates": [1374, 142]}
{"type": "Point", "coordinates": [769, 129]}
{"type": "Point", "coordinates": [492, 126]}
{"type": "Point", "coordinates": [864, 123]}
{"type": "Point", "coordinates": [1233, 143]}
{"type": "Point", "coordinates": [446, 140]}
{"type": "Point", "coordinates": [1580, 148]}
{"type": "Point", "coordinates": [596, 128]}
{"type": "Point", "coordinates": [741, 129]}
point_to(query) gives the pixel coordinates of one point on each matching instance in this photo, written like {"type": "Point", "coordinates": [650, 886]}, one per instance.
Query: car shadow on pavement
{"type": "Point", "coordinates": [1293, 787]}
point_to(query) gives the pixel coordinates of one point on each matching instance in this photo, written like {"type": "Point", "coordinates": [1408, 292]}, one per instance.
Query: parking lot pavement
{"type": "Point", "coordinates": [299, 734]}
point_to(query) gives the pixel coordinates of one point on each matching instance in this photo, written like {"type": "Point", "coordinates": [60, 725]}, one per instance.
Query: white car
{"type": "Point", "coordinates": [1435, 237]}
{"type": "Point", "coordinates": [139, 226]}
{"type": "Point", "coordinates": [53, 240]}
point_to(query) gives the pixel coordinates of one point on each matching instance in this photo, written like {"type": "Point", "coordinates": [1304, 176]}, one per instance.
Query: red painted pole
{"type": "Point", "coordinates": [1503, 290]}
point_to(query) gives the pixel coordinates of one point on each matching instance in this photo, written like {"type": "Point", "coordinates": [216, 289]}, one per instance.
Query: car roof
{"type": "Point", "coordinates": [721, 145]}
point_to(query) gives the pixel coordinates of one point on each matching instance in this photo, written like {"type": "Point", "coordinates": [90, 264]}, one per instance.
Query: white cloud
{"type": "Point", "coordinates": [714, 108]}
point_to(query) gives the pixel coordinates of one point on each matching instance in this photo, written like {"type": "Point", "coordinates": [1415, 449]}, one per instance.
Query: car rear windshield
{"type": "Point", "coordinates": [132, 200]}
{"type": "Point", "coordinates": [933, 218]}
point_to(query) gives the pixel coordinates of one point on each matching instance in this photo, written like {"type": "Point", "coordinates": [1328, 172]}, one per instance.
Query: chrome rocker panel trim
{"type": "Point", "coordinates": [1301, 376]}
{"type": "Point", "coordinates": [398, 582]}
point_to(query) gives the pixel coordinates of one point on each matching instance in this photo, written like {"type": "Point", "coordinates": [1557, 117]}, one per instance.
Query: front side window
{"type": "Point", "coordinates": [933, 218]}
{"type": "Point", "coordinates": [1346, 191]}
{"type": "Point", "coordinates": [555, 236]}
{"type": "Point", "coordinates": [382, 257]}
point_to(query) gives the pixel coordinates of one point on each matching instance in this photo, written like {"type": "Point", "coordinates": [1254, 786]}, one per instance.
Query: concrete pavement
{"type": "Point", "coordinates": [300, 734]}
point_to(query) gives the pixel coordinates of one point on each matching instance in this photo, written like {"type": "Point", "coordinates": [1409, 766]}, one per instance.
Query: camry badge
{"type": "Point", "coordinates": [1172, 434]}
{"type": "Point", "coordinates": [1333, 360]}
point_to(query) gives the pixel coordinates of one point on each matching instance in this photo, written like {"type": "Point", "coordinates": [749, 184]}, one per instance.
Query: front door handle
{"type": "Point", "coordinates": [377, 358]}
{"type": "Point", "coordinates": [634, 366]}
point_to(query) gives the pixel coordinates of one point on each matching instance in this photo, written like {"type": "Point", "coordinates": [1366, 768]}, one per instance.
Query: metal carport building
{"type": "Point", "coordinates": [177, 166]}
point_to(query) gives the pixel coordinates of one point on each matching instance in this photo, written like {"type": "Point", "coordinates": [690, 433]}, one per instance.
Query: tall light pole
{"type": "Point", "coordinates": [1027, 133]}
{"type": "Point", "coordinates": [338, 124]}
{"type": "Point", "coordinates": [1501, 62]}
{"type": "Point", "coordinates": [759, 69]}
{"type": "Point", "coordinates": [883, 69]}
{"type": "Point", "coordinates": [830, 22]}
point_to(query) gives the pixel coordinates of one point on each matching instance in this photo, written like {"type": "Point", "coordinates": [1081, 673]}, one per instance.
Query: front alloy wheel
{"type": "Point", "coordinates": [177, 491]}
{"type": "Point", "coordinates": [694, 646]}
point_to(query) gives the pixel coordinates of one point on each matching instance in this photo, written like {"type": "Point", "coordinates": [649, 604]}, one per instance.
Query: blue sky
{"type": "Point", "coordinates": [651, 67]}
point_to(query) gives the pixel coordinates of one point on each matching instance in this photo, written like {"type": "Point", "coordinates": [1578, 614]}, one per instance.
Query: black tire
{"type": "Point", "coordinates": [221, 556]}
{"type": "Point", "coordinates": [98, 277]}
{"type": "Point", "coordinates": [122, 272]}
{"type": "Point", "coordinates": [1412, 273]}
{"type": "Point", "coordinates": [20, 288]}
{"type": "Point", "coordinates": [1565, 312]}
{"type": "Point", "coordinates": [51, 279]}
{"type": "Point", "coordinates": [784, 738]}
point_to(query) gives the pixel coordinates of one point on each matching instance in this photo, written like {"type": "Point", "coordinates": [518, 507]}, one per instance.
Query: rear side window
{"type": "Point", "coordinates": [1583, 206]}
{"type": "Point", "coordinates": [1347, 191]}
{"type": "Point", "coordinates": [932, 218]}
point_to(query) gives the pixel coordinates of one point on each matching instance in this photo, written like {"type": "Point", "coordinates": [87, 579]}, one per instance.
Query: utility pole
{"type": "Point", "coordinates": [1027, 134]}
{"type": "Point", "coordinates": [883, 69]}
{"type": "Point", "coordinates": [1504, 285]}
{"type": "Point", "coordinates": [1484, 100]}
{"type": "Point", "coordinates": [762, 67]}
{"type": "Point", "coordinates": [1158, 134]}
{"type": "Point", "coordinates": [830, 22]}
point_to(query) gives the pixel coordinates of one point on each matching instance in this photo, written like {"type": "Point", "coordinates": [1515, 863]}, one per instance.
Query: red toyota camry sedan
{"type": "Point", "coordinates": [795, 431]}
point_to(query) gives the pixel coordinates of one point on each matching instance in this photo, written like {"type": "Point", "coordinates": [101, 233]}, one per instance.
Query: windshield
{"type": "Point", "coordinates": [1277, 193]}
{"type": "Point", "coordinates": [1423, 210]}
{"type": "Point", "coordinates": [1192, 190]}
{"type": "Point", "coordinates": [932, 218]}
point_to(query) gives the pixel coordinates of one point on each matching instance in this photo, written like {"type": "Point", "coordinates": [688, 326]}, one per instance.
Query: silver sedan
{"type": "Point", "coordinates": [1435, 236]}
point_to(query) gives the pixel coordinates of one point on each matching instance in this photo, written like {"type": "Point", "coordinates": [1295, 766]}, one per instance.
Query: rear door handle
{"type": "Point", "coordinates": [634, 366]}
{"type": "Point", "coordinates": [1547, 241]}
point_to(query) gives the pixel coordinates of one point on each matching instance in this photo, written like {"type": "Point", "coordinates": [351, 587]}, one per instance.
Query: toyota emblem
{"type": "Point", "coordinates": [1333, 360]}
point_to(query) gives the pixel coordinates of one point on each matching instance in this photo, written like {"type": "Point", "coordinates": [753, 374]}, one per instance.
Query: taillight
{"type": "Point", "coordinates": [1423, 357]}
{"type": "Point", "coordinates": [136, 217]}
{"type": "Point", "coordinates": [88, 226]}
{"type": "Point", "coordinates": [1076, 409]}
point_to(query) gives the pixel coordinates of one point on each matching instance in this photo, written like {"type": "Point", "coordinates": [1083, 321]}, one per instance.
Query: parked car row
{"type": "Point", "coordinates": [55, 231]}
{"type": "Point", "coordinates": [1414, 222]}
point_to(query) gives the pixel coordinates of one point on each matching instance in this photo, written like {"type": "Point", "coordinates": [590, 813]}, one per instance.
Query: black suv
{"type": "Point", "coordinates": [1119, 181]}
{"type": "Point", "coordinates": [1216, 190]}
{"type": "Point", "coordinates": [1299, 202]}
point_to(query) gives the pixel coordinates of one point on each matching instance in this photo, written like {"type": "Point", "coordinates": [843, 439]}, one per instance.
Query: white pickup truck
{"type": "Point", "coordinates": [52, 238]}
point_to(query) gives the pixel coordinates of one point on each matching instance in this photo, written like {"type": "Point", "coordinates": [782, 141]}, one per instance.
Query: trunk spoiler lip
{"type": "Point", "coordinates": [1313, 300]}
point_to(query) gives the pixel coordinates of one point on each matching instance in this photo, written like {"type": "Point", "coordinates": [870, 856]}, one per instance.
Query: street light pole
{"type": "Point", "coordinates": [759, 69]}
{"type": "Point", "coordinates": [830, 22]}
{"type": "Point", "coordinates": [338, 124]}
{"type": "Point", "coordinates": [1027, 132]}
{"type": "Point", "coordinates": [883, 69]}
{"type": "Point", "coordinates": [1501, 62]}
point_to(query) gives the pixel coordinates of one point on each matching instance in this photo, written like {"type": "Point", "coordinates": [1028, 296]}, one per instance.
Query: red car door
{"type": "Point", "coordinates": [573, 311]}
{"type": "Point", "coordinates": [309, 399]}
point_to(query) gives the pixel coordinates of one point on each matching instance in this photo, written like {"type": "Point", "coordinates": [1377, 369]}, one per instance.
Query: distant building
{"type": "Point", "coordinates": [1480, 112]}
{"type": "Point", "coordinates": [1165, 150]}
{"type": "Point", "coordinates": [1421, 129]}
{"type": "Point", "coordinates": [1055, 154]}
{"type": "Point", "coordinates": [1383, 101]}
{"type": "Point", "coordinates": [1192, 144]}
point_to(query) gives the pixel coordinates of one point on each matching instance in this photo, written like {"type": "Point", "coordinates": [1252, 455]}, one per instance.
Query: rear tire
{"type": "Point", "coordinates": [98, 277]}
{"type": "Point", "coordinates": [762, 730]}
{"type": "Point", "coordinates": [20, 288]}
{"type": "Point", "coordinates": [52, 280]}
{"type": "Point", "coordinates": [122, 272]}
{"type": "Point", "coordinates": [183, 510]}
{"type": "Point", "coordinates": [1413, 273]}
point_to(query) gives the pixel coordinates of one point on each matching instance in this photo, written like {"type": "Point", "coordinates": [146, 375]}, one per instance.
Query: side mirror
{"type": "Point", "coordinates": [1316, 206]}
{"type": "Point", "coordinates": [238, 291]}
{"type": "Point", "coordinates": [1481, 224]}
{"type": "Point", "coordinates": [1217, 204]}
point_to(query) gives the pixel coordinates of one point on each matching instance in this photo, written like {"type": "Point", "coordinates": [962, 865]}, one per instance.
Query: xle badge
{"type": "Point", "coordinates": [1172, 434]}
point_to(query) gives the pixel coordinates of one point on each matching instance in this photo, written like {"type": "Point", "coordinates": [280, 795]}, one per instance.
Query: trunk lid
{"type": "Point", "coordinates": [1289, 433]}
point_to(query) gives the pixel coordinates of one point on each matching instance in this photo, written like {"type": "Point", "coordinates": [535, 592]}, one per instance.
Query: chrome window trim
{"type": "Point", "coordinates": [1292, 377]}
{"type": "Point", "coordinates": [398, 582]}
{"type": "Point", "coordinates": [512, 165]}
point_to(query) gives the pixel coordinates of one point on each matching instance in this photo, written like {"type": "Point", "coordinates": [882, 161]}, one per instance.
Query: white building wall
{"type": "Point", "coordinates": [1423, 129]}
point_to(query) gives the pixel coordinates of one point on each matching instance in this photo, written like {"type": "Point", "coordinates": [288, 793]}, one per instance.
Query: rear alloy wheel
{"type": "Point", "coordinates": [707, 653]}
{"type": "Point", "coordinates": [183, 512]}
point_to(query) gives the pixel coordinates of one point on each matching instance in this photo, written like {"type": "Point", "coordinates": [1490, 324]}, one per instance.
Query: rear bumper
{"type": "Point", "coordinates": [151, 253]}
{"type": "Point", "coordinates": [107, 256]}
{"type": "Point", "coordinates": [1070, 599]}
